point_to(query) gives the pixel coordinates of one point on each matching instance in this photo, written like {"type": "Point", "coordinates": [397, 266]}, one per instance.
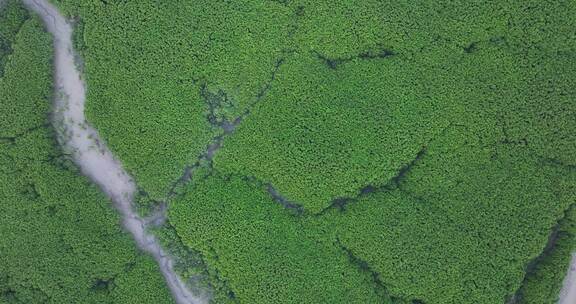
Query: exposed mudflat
{"type": "Point", "coordinates": [90, 153]}
{"type": "Point", "coordinates": [568, 292]}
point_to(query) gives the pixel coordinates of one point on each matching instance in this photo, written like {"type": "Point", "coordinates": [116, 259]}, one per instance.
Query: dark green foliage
{"type": "Point", "coordinates": [543, 282]}
{"type": "Point", "coordinates": [60, 238]}
{"type": "Point", "coordinates": [13, 16]}
{"type": "Point", "coordinates": [346, 128]}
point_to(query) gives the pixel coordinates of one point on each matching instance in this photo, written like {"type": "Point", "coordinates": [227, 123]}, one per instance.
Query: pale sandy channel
{"type": "Point", "coordinates": [89, 151]}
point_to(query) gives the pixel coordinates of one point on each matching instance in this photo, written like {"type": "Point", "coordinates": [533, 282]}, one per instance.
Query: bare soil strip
{"type": "Point", "coordinates": [89, 151]}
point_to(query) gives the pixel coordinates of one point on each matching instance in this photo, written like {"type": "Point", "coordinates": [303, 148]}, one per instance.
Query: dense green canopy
{"type": "Point", "coordinates": [344, 151]}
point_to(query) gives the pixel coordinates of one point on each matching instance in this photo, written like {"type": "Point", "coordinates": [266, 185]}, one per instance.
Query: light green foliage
{"type": "Point", "coordinates": [471, 236]}
{"type": "Point", "coordinates": [459, 114]}
{"type": "Point", "coordinates": [263, 252]}
{"type": "Point", "coordinates": [12, 18]}
{"type": "Point", "coordinates": [468, 239]}
{"type": "Point", "coordinates": [146, 63]}
{"type": "Point", "coordinates": [330, 130]}
{"type": "Point", "coordinates": [188, 263]}
{"type": "Point", "coordinates": [61, 240]}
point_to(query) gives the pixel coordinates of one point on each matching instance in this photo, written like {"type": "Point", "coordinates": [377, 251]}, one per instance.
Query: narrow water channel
{"type": "Point", "coordinates": [90, 154]}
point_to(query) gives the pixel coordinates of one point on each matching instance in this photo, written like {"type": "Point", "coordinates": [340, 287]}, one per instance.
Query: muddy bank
{"type": "Point", "coordinates": [568, 292]}
{"type": "Point", "coordinates": [90, 154]}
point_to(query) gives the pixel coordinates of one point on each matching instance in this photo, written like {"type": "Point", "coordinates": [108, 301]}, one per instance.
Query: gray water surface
{"type": "Point", "coordinates": [89, 151]}
{"type": "Point", "coordinates": [568, 292]}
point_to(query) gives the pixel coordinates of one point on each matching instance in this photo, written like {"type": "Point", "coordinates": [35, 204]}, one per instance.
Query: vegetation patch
{"type": "Point", "coordinates": [264, 253]}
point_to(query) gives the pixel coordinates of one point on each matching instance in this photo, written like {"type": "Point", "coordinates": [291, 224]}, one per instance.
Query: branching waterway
{"type": "Point", "coordinates": [90, 154]}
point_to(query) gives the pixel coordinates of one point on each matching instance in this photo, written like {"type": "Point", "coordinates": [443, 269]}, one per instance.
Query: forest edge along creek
{"type": "Point", "coordinates": [97, 162]}
{"type": "Point", "coordinates": [89, 152]}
